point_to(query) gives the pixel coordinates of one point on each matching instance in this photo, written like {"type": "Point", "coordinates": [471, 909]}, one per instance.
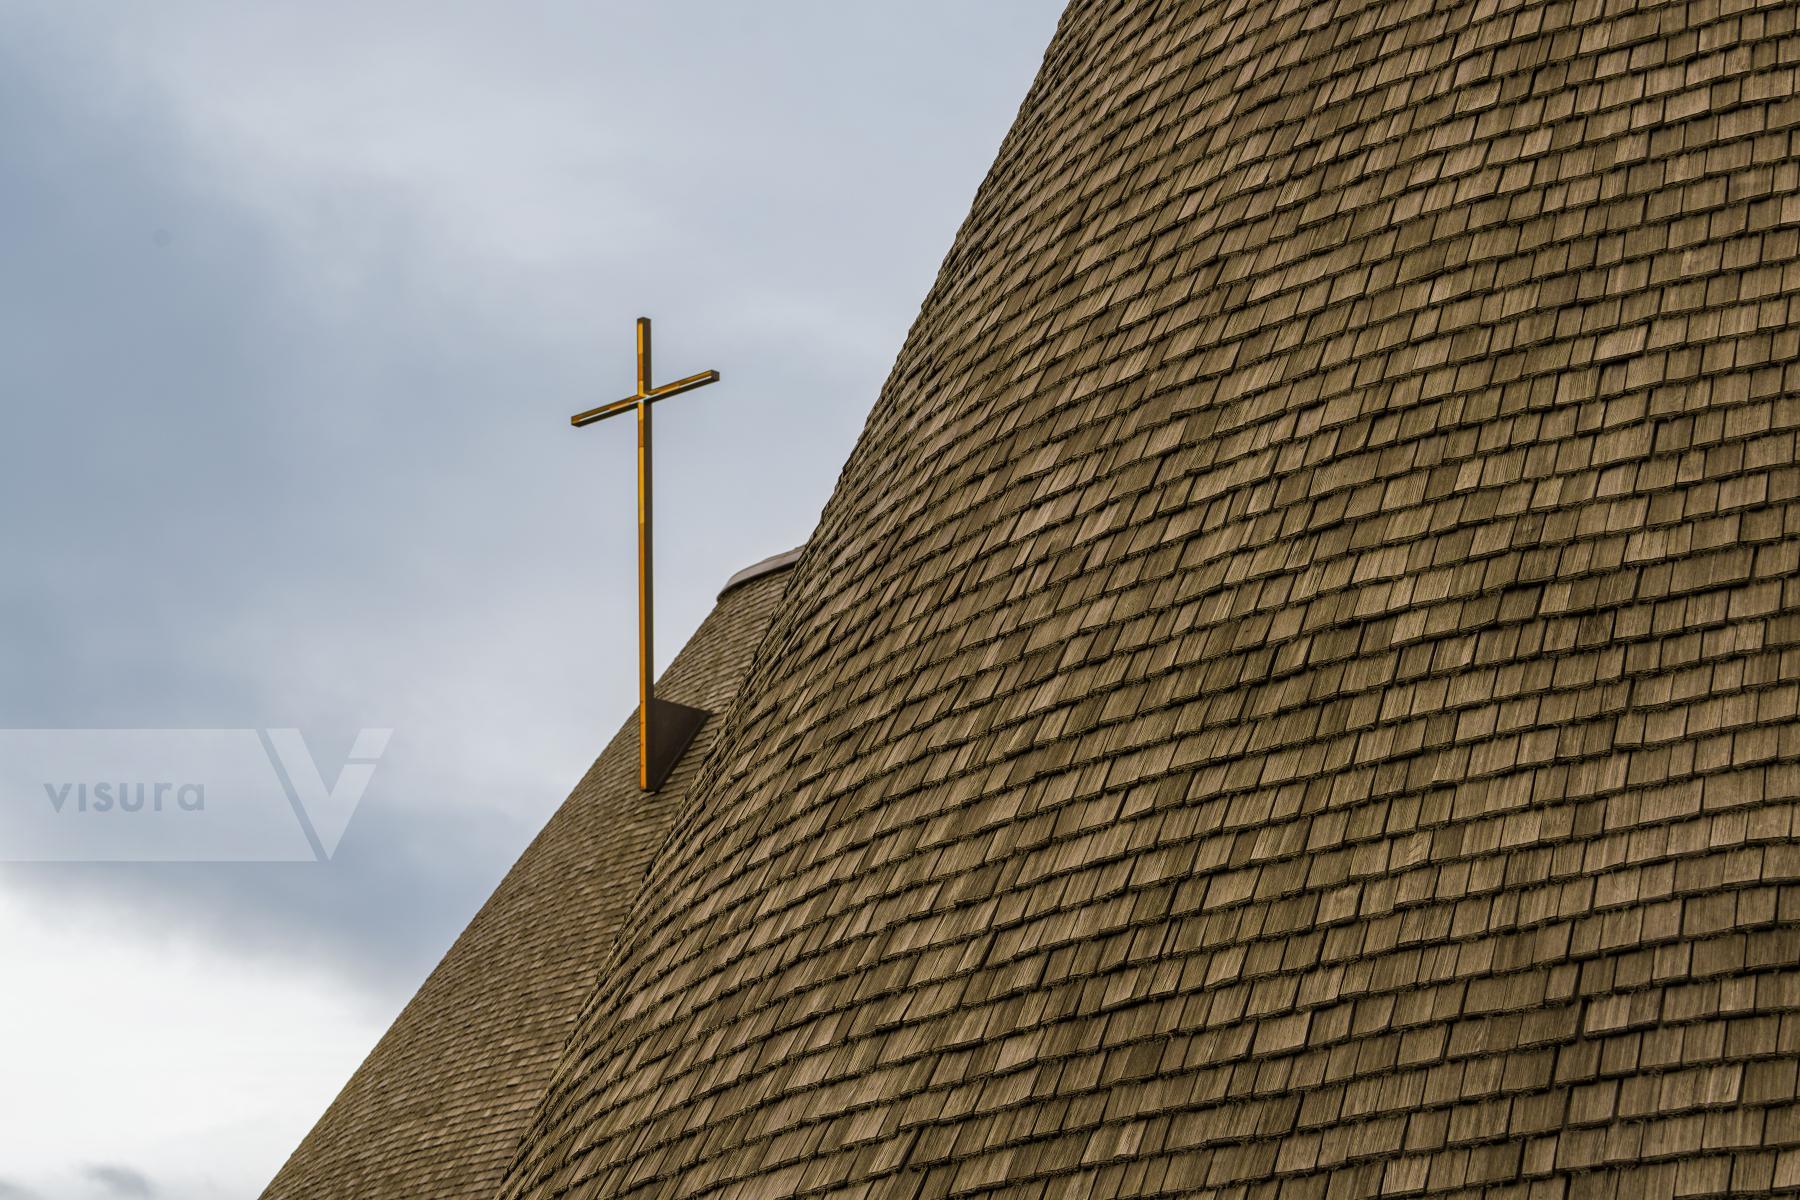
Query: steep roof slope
{"type": "Point", "coordinates": [1295, 691]}
{"type": "Point", "coordinates": [437, 1107]}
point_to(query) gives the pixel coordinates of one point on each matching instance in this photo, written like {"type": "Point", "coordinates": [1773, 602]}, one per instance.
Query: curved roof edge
{"type": "Point", "coordinates": [768, 566]}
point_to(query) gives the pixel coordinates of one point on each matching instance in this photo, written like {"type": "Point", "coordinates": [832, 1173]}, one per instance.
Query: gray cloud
{"type": "Point", "coordinates": [182, 522]}
{"type": "Point", "coordinates": [296, 304]}
{"type": "Point", "coordinates": [120, 1181]}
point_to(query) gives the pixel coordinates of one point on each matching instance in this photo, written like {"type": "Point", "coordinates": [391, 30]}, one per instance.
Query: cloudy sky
{"type": "Point", "coordinates": [296, 301]}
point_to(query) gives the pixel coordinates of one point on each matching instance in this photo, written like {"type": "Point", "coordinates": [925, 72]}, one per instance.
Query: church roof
{"type": "Point", "coordinates": [1295, 692]}
{"type": "Point", "coordinates": [437, 1108]}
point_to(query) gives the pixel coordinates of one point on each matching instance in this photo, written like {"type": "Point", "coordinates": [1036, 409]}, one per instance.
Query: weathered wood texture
{"type": "Point", "coordinates": [1294, 694]}
{"type": "Point", "coordinates": [437, 1107]}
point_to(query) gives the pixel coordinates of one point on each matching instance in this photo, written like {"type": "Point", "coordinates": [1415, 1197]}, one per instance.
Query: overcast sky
{"type": "Point", "coordinates": [294, 306]}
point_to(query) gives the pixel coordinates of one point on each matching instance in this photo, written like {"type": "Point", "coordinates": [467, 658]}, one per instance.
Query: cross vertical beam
{"type": "Point", "coordinates": [646, 570]}
{"type": "Point", "coordinates": [664, 727]}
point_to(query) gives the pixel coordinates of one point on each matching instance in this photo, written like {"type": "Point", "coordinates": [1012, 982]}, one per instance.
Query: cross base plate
{"type": "Point", "coordinates": [672, 727]}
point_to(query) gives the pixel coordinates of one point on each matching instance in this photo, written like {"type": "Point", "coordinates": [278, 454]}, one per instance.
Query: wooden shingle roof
{"type": "Point", "coordinates": [1295, 692]}
{"type": "Point", "coordinates": [437, 1108]}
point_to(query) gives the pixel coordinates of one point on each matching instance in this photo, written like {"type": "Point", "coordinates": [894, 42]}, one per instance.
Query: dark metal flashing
{"type": "Point", "coordinates": [672, 729]}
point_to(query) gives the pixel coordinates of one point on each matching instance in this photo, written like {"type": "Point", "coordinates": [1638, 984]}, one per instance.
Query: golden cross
{"type": "Point", "coordinates": [662, 740]}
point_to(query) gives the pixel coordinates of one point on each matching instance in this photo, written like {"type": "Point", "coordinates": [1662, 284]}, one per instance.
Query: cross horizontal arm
{"type": "Point", "coordinates": [604, 411]}
{"type": "Point", "coordinates": [631, 402]}
{"type": "Point", "coordinates": [684, 385]}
